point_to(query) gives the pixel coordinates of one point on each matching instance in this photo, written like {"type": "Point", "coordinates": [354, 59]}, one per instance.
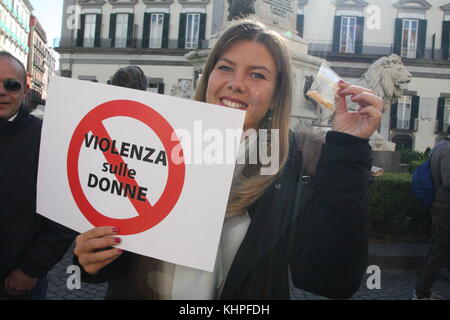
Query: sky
{"type": "Point", "coordinates": [49, 13]}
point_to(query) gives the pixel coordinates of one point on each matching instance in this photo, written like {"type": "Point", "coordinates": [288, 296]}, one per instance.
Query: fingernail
{"type": "Point", "coordinates": [115, 230]}
{"type": "Point", "coordinates": [341, 81]}
{"type": "Point", "coordinates": [117, 240]}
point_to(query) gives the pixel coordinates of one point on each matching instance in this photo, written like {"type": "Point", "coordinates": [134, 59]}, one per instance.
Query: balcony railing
{"type": "Point", "coordinates": [131, 43]}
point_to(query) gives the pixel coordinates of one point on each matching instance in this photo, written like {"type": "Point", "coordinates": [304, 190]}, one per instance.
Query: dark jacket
{"type": "Point", "coordinates": [440, 168]}
{"type": "Point", "coordinates": [29, 241]}
{"type": "Point", "coordinates": [318, 231]}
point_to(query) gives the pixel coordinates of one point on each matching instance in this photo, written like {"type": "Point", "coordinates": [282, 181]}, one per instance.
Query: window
{"type": "Point", "coordinates": [445, 42]}
{"type": "Point", "coordinates": [156, 86]}
{"type": "Point", "coordinates": [153, 87]}
{"type": "Point", "coordinates": [403, 142]}
{"type": "Point", "coordinates": [156, 30]}
{"type": "Point", "coordinates": [300, 24]}
{"type": "Point", "coordinates": [121, 30]}
{"type": "Point", "coordinates": [192, 30]}
{"type": "Point", "coordinates": [348, 35]}
{"type": "Point", "coordinates": [404, 112]}
{"type": "Point", "coordinates": [409, 38]}
{"type": "Point", "coordinates": [89, 31]}
{"type": "Point", "coordinates": [446, 114]}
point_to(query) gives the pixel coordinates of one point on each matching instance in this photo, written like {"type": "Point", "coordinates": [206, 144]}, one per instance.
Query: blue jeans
{"type": "Point", "coordinates": [39, 292]}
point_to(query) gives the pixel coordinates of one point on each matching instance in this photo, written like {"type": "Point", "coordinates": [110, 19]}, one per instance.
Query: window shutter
{"type": "Point", "coordinates": [300, 24]}
{"type": "Point", "coordinates": [112, 29]}
{"type": "Point", "coordinates": [445, 45]}
{"type": "Point", "coordinates": [130, 30]}
{"type": "Point", "coordinates": [161, 88]}
{"type": "Point", "coordinates": [146, 31]}
{"type": "Point", "coordinates": [440, 115]}
{"type": "Point", "coordinates": [422, 39]}
{"type": "Point", "coordinates": [182, 31]}
{"type": "Point", "coordinates": [398, 36]}
{"type": "Point", "coordinates": [80, 34]}
{"type": "Point", "coordinates": [337, 33]}
{"type": "Point", "coordinates": [98, 30]}
{"type": "Point", "coordinates": [415, 103]}
{"type": "Point", "coordinates": [202, 32]}
{"type": "Point", "coordinates": [394, 109]}
{"type": "Point", "coordinates": [359, 35]}
{"type": "Point", "coordinates": [166, 26]}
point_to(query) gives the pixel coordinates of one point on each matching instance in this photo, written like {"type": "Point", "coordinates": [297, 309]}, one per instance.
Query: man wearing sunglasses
{"type": "Point", "coordinates": [30, 244]}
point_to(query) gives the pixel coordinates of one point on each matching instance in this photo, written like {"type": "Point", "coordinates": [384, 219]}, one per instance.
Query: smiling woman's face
{"type": "Point", "coordinates": [244, 78]}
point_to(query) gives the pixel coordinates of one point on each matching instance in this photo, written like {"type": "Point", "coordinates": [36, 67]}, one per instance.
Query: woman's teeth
{"type": "Point", "coordinates": [234, 105]}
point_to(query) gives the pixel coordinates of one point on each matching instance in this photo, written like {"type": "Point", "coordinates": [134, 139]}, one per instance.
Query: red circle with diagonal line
{"type": "Point", "coordinates": [148, 216]}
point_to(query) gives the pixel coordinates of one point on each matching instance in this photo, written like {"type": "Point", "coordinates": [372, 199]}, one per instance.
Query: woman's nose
{"type": "Point", "coordinates": [237, 84]}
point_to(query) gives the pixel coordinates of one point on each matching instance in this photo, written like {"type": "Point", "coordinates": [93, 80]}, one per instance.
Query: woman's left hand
{"type": "Point", "coordinates": [366, 119]}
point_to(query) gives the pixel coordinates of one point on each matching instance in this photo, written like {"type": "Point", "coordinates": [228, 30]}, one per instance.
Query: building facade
{"type": "Point", "coordinates": [100, 36]}
{"type": "Point", "coordinates": [152, 34]}
{"type": "Point", "coordinates": [353, 34]}
{"type": "Point", "coordinates": [14, 27]}
{"type": "Point", "coordinates": [50, 69]}
{"type": "Point", "coordinates": [37, 61]}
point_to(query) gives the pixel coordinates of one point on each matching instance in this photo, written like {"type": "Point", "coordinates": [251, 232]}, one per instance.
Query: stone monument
{"type": "Point", "coordinates": [388, 78]}
{"type": "Point", "coordinates": [183, 89]}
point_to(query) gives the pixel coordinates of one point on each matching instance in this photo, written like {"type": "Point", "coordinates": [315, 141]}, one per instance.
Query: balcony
{"type": "Point", "coordinates": [105, 45]}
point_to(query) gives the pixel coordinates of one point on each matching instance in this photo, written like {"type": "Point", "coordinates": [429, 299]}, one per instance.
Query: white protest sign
{"type": "Point", "coordinates": [112, 156]}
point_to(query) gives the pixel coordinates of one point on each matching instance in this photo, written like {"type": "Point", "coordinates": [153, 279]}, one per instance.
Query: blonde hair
{"type": "Point", "coordinates": [251, 184]}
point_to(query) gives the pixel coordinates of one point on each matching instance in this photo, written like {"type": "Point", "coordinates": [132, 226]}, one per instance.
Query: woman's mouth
{"type": "Point", "coordinates": [233, 104]}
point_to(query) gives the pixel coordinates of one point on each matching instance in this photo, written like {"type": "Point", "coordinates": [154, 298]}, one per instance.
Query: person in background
{"type": "Point", "coordinates": [31, 245]}
{"type": "Point", "coordinates": [130, 77]}
{"type": "Point", "coordinates": [438, 256]}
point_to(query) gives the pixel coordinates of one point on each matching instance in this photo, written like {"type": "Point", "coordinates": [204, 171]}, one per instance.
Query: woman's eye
{"type": "Point", "coordinates": [224, 68]}
{"type": "Point", "coordinates": [258, 75]}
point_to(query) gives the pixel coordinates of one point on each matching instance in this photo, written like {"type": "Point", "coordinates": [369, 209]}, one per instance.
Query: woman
{"type": "Point", "coordinates": [274, 223]}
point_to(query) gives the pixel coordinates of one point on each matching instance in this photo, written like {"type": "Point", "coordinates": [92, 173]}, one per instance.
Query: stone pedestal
{"type": "Point", "coordinates": [388, 160]}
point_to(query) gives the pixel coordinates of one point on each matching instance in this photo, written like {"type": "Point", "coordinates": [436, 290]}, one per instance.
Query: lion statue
{"type": "Point", "coordinates": [388, 78]}
{"type": "Point", "coordinates": [183, 89]}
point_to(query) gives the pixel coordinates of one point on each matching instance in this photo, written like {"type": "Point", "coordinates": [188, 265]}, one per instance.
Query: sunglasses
{"type": "Point", "coordinates": [12, 85]}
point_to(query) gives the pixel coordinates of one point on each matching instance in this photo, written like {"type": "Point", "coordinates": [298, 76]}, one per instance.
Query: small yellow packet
{"type": "Point", "coordinates": [324, 88]}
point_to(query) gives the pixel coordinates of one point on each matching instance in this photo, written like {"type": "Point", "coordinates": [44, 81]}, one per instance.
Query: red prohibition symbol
{"type": "Point", "coordinates": [148, 216]}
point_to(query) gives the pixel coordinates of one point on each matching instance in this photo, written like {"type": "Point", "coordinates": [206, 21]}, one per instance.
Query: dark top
{"type": "Point", "coordinates": [30, 242]}
{"type": "Point", "coordinates": [440, 168]}
{"type": "Point", "coordinates": [318, 231]}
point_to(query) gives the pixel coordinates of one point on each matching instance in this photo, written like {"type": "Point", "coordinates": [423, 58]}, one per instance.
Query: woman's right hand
{"type": "Point", "coordinates": [95, 248]}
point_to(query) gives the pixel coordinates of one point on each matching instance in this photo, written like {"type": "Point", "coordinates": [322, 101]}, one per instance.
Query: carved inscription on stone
{"type": "Point", "coordinates": [280, 8]}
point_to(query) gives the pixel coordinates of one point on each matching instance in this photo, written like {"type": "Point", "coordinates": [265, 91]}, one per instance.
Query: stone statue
{"type": "Point", "coordinates": [388, 78]}
{"type": "Point", "coordinates": [239, 9]}
{"type": "Point", "coordinates": [183, 89]}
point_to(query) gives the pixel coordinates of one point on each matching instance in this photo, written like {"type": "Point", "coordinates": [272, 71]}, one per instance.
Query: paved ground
{"type": "Point", "coordinates": [396, 284]}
